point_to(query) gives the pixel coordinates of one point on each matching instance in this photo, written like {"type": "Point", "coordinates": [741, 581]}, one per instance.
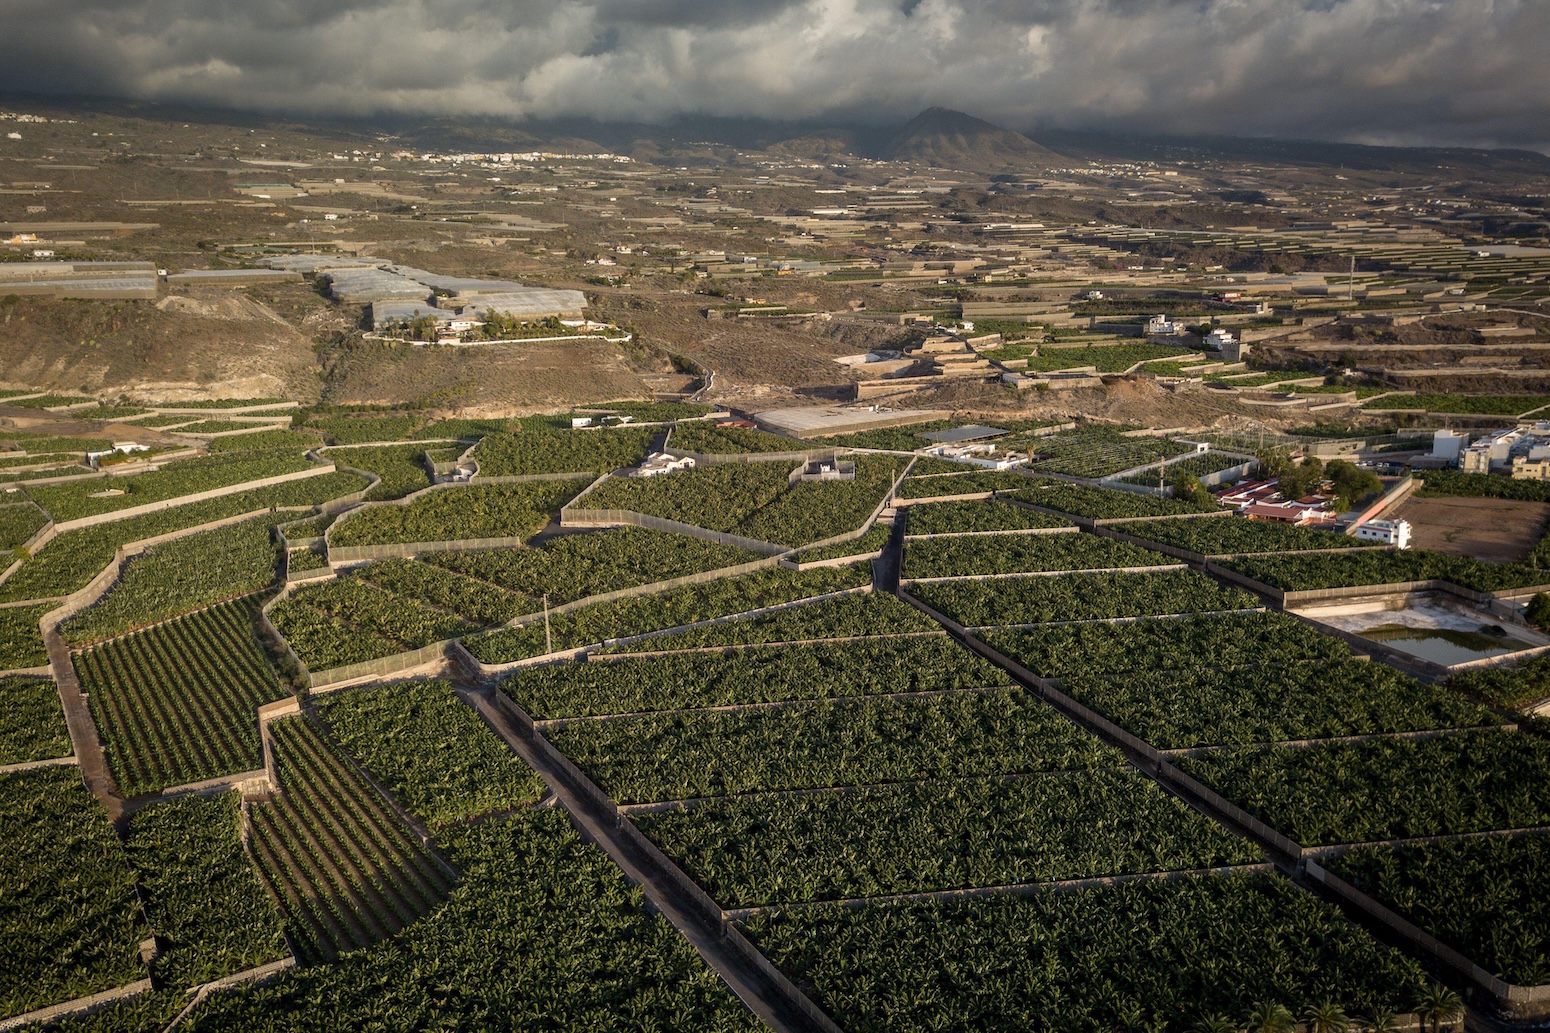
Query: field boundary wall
{"type": "Point", "coordinates": [78, 1008]}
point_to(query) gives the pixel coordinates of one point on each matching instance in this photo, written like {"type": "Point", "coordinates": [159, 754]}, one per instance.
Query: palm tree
{"type": "Point", "coordinates": [1215, 1024]}
{"type": "Point", "coordinates": [1381, 1020]}
{"type": "Point", "coordinates": [1439, 1004]}
{"type": "Point", "coordinates": [1328, 1017]}
{"type": "Point", "coordinates": [1271, 1017]}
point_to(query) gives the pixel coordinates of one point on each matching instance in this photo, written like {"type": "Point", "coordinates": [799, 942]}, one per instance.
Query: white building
{"type": "Point", "coordinates": [1220, 340]}
{"type": "Point", "coordinates": [659, 463]}
{"type": "Point", "coordinates": [1385, 532]}
{"type": "Point", "coordinates": [1448, 444]}
{"type": "Point", "coordinates": [1161, 326]}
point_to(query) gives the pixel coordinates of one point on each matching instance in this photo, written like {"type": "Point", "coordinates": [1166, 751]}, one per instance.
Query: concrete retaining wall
{"type": "Point", "coordinates": [183, 500]}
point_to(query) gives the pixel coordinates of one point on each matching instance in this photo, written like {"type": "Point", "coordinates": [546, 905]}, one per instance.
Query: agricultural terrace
{"type": "Point", "coordinates": [755, 500]}
{"type": "Point", "coordinates": [971, 516]}
{"type": "Point", "coordinates": [540, 925]}
{"type": "Point", "coordinates": [1235, 640]}
{"type": "Point", "coordinates": [844, 616]}
{"type": "Point", "coordinates": [21, 641]}
{"type": "Point", "coordinates": [678, 607]}
{"type": "Point", "coordinates": [1387, 788]}
{"type": "Point", "coordinates": [1291, 701]}
{"type": "Point", "coordinates": [1442, 483]}
{"type": "Point", "coordinates": [1482, 896]}
{"type": "Point", "coordinates": [455, 513]}
{"type": "Point", "coordinates": [64, 882]}
{"type": "Point", "coordinates": [359, 428]}
{"type": "Point", "coordinates": [981, 555]}
{"type": "Point", "coordinates": [1526, 682]}
{"type": "Point", "coordinates": [182, 575]}
{"type": "Point", "coordinates": [766, 673]}
{"type": "Point", "coordinates": [201, 894]}
{"type": "Point", "coordinates": [429, 750]}
{"type": "Point", "coordinates": [580, 451]}
{"type": "Point", "coordinates": [970, 482]}
{"type": "Point", "coordinates": [19, 521]}
{"type": "Point", "coordinates": [178, 702]}
{"type": "Point", "coordinates": [1293, 573]}
{"type": "Point", "coordinates": [67, 563]}
{"type": "Point", "coordinates": [1192, 466]}
{"type": "Point", "coordinates": [347, 870]}
{"type": "Point", "coordinates": [183, 477]}
{"type": "Point", "coordinates": [391, 606]}
{"type": "Point", "coordinates": [1235, 537]}
{"type": "Point", "coordinates": [1485, 405]}
{"type": "Point", "coordinates": [1165, 953]}
{"type": "Point", "coordinates": [875, 539]}
{"type": "Point", "coordinates": [1074, 597]}
{"type": "Point", "coordinates": [1097, 451]}
{"type": "Point", "coordinates": [401, 469]}
{"type": "Point", "coordinates": [32, 723]}
{"type": "Point", "coordinates": [1084, 500]}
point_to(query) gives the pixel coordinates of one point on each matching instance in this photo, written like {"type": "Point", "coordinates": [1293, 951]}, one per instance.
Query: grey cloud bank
{"type": "Point", "coordinates": [1468, 72]}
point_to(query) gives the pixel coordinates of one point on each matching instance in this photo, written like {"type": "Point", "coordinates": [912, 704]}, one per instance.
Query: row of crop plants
{"type": "Point", "coordinates": [177, 703]}
{"type": "Point", "coordinates": [1078, 597]}
{"type": "Point", "coordinates": [1100, 451]}
{"type": "Point", "coordinates": [972, 516]}
{"type": "Point", "coordinates": [391, 606]}
{"type": "Point", "coordinates": [181, 575]}
{"type": "Point", "coordinates": [68, 562]}
{"type": "Point", "coordinates": [348, 871]}
{"type": "Point", "coordinates": [1239, 537]}
{"type": "Point", "coordinates": [756, 500]}
{"type": "Point", "coordinates": [1337, 753]}
{"type": "Point", "coordinates": [473, 511]}
{"type": "Point", "coordinates": [1294, 573]}
{"type": "Point", "coordinates": [688, 604]}
{"type": "Point", "coordinates": [1192, 466]}
{"type": "Point", "coordinates": [981, 555]}
{"type": "Point", "coordinates": [182, 477]}
{"type": "Point", "coordinates": [824, 783]}
{"type": "Point", "coordinates": [707, 439]}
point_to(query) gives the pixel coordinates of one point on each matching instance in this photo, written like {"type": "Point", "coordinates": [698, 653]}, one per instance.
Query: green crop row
{"type": "Point", "coordinates": [938, 835]}
{"type": "Point", "coordinates": [184, 477]}
{"type": "Point", "coordinates": [1388, 788]}
{"type": "Point", "coordinates": [401, 468]}
{"type": "Point", "coordinates": [68, 562]}
{"type": "Point", "coordinates": [860, 613]}
{"type": "Point", "coordinates": [201, 896]}
{"type": "Point", "coordinates": [1071, 597]}
{"type": "Point", "coordinates": [541, 931]}
{"type": "Point", "coordinates": [18, 522]}
{"type": "Point", "coordinates": [574, 566]}
{"type": "Point", "coordinates": [759, 674]}
{"type": "Point", "coordinates": [706, 439]}
{"type": "Point", "coordinates": [1084, 500]}
{"type": "Point", "coordinates": [687, 605]}
{"type": "Point", "coordinates": [69, 922]}
{"type": "Point", "coordinates": [1272, 703]}
{"type": "Point", "coordinates": [430, 751]}
{"type": "Point", "coordinates": [1293, 573]}
{"type": "Point", "coordinates": [1097, 451]}
{"type": "Point", "coordinates": [21, 641]}
{"type": "Point", "coordinates": [480, 511]}
{"type": "Point", "coordinates": [359, 428]}
{"type": "Point", "coordinates": [181, 575]}
{"type": "Point", "coordinates": [1493, 405]}
{"type": "Point", "coordinates": [976, 483]}
{"type": "Point", "coordinates": [178, 703]}
{"type": "Point", "coordinates": [32, 722]}
{"type": "Point", "coordinates": [342, 621]}
{"type": "Point", "coordinates": [562, 451]}
{"type": "Point", "coordinates": [1149, 955]}
{"type": "Point", "coordinates": [1165, 644]}
{"type": "Point", "coordinates": [1484, 897]}
{"type": "Point", "coordinates": [1011, 553]}
{"type": "Point", "coordinates": [816, 744]}
{"type": "Point", "coordinates": [973, 515]}
{"type": "Point", "coordinates": [1482, 485]}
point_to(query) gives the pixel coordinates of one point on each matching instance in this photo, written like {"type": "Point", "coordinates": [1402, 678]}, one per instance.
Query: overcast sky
{"type": "Point", "coordinates": [1374, 71]}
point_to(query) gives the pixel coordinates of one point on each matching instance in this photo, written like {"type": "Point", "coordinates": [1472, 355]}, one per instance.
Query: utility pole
{"type": "Point", "coordinates": [1351, 289]}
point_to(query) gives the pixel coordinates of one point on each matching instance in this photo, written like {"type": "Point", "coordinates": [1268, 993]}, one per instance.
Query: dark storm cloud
{"type": "Point", "coordinates": [1453, 71]}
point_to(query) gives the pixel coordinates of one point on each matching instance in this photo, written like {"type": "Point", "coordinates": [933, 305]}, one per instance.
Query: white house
{"type": "Point", "coordinates": [1385, 532]}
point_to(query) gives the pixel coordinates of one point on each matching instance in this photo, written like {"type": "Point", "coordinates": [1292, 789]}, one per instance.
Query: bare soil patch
{"type": "Point", "coordinates": [1494, 530]}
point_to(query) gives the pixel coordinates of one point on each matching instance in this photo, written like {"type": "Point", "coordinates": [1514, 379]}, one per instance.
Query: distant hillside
{"type": "Point", "coordinates": [1139, 147]}
{"type": "Point", "coordinates": [952, 139]}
